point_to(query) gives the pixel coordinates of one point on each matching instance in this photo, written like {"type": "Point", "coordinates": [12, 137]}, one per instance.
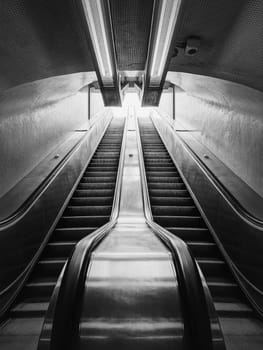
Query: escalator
{"type": "Point", "coordinates": [130, 289]}
{"type": "Point", "coordinates": [174, 209]}
{"type": "Point", "coordinates": [88, 209]}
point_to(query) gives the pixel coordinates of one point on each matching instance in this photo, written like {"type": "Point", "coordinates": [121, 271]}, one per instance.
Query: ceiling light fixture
{"type": "Point", "coordinates": [162, 41]}
{"type": "Point", "coordinates": [96, 23]}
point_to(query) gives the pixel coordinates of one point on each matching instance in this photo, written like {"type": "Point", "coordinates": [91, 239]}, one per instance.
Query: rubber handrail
{"type": "Point", "coordinates": [66, 312]}
{"type": "Point", "coordinates": [201, 323]}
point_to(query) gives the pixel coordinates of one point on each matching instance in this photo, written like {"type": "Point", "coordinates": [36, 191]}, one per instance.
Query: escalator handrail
{"type": "Point", "coordinates": [64, 308]}
{"type": "Point", "coordinates": [202, 328]}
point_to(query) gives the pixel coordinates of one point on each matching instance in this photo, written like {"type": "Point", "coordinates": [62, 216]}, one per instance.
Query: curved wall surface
{"type": "Point", "coordinates": [35, 118]}
{"type": "Point", "coordinates": [225, 117]}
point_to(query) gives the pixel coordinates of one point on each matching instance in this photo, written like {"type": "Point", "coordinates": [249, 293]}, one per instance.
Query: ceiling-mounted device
{"type": "Point", "coordinates": [164, 21]}
{"type": "Point", "coordinates": [98, 19]}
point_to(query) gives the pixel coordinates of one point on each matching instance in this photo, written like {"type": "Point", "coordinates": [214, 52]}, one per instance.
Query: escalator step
{"type": "Point", "coordinates": [162, 179]}
{"type": "Point", "coordinates": [96, 210]}
{"type": "Point", "coordinates": [178, 201]}
{"type": "Point", "coordinates": [162, 169]}
{"type": "Point", "coordinates": [223, 288]}
{"type": "Point", "coordinates": [96, 168]}
{"type": "Point", "coordinates": [94, 193]}
{"type": "Point", "coordinates": [165, 189]}
{"type": "Point", "coordinates": [212, 267]}
{"type": "Point", "coordinates": [106, 161]}
{"type": "Point", "coordinates": [49, 267]}
{"type": "Point", "coordinates": [29, 309]}
{"type": "Point", "coordinates": [159, 210]}
{"type": "Point", "coordinates": [235, 308]}
{"type": "Point", "coordinates": [165, 174]}
{"type": "Point", "coordinates": [155, 156]}
{"type": "Point", "coordinates": [82, 221]}
{"type": "Point", "coordinates": [93, 186]}
{"type": "Point", "coordinates": [100, 174]}
{"type": "Point", "coordinates": [159, 162]}
{"type": "Point", "coordinates": [41, 288]}
{"type": "Point", "coordinates": [59, 249]}
{"type": "Point", "coordinates": [108, 149]}
{"type": "Point", "coordinates": [85, 201]}
{"type": "Point", "coordinates": [186, 221]}
{"type": "Point", "coordinates": [203, 249]}
{"type": "Point", "coordinates": [72, 234]}
{"type": "Point", "coordinates": [191, 234]}
{"type": "Point", "coordinates": [95, 179]}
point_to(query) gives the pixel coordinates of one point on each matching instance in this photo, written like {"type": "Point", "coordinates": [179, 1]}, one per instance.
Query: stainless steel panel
{"type": "Point", "coordinates": [131, 297]}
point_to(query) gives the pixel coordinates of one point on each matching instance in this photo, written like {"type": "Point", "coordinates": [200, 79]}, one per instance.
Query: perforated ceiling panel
{"type": "Point", "coordinates": [231, 35]}
{"type": "Point", "coordinates": [39, 39]}
{"type": "Point", "coordinates": [131, 25]}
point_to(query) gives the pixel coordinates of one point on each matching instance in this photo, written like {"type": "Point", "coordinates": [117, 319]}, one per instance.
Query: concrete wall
{"type": "Point", "coordinates": [96, 102]}
{"type": "Point", "coordinates": [166, 102]}
{"type": "Point", "coordinates": [35, 118]}
{"type": "Point", "coordinates": [225, 117]}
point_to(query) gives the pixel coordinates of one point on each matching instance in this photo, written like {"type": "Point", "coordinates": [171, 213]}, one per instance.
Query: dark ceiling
{"type": "Point", "coordinates": [39, 39]}
{"type": "Point", "coordinates": [44, 38]}
{"type": "Point", "coordinates": [231, 33]}
{"type": "Point", "coordinates": [131, 26]}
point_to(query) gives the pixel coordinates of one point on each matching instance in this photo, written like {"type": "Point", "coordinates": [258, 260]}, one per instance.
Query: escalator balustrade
{"type": "Point", "coordinates": [88, 209]}
{"type": "Point", "coordinates": [174, 209]}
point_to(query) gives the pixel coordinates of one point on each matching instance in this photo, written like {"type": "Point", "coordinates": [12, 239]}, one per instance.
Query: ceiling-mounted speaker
{"type": "Point", "coordinates": [192, 46]}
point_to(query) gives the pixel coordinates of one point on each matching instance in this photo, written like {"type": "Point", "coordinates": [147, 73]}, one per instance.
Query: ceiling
{"type": "Point", "coordinates": [40, 39]}
{"type": "Point", "coordinates": [230, 33]}
{"type": "Point", "coordinates": [131, 27]}
{"type": "Point", "coordinates": [45, 38]}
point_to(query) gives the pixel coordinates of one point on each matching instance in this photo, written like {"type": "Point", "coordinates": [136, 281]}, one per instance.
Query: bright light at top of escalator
{"type": "Point", "coordinates": [131, 106]}
{"type": "Point", "coordinates": [131, 99]}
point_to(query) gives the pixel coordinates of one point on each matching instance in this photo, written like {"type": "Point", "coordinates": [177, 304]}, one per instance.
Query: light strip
{"type": "Point", "coordinates": [94, 15]}
{"type": "Point", "coordinates": [166, 25]}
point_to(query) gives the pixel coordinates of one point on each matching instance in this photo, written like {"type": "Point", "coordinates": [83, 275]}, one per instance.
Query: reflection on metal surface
{"type": "Point", "coordinates": [202, 327]}
{"type": "Point", "coordinates": [60, 329]}
{"type": "Point", "coordinates": [131, 296]}
{"type": "Point", "coordinates": [135, 291]}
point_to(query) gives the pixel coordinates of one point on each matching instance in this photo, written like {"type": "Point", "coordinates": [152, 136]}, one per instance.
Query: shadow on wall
{"type": "Point", "coordinates": [35, 118]}
{"type": "Point", "coordinates": [225, 117]}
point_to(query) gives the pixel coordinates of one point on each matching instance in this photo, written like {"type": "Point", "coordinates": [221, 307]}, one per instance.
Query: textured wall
{"type": "Point", "coordinates": [166, 102]}
{"type": "Point", "coordinates": [96, 102]}
{"type": "Point", "coordinates": [227, 118]}
{"type": "Point", "coordinates": [35, 118]}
